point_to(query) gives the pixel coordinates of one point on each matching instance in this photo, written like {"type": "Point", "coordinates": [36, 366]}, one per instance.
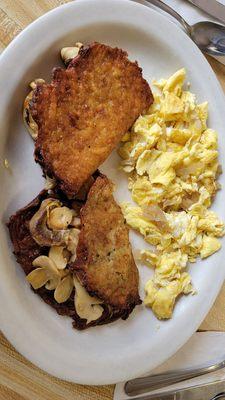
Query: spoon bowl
{"type": "Point", "coordinates": [209, 37]}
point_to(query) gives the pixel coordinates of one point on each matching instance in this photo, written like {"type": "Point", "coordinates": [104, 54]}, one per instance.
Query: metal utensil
{"type": "Point", "coordinates": [152, 382]}
{"type": "Point", "coordinates": [219, 396]}
{"type": "Point", "coordinates": [209, 391]}
{"type": "Point", "coordinates": [208, 36]}
{"type": "Point", "coordinates": [214, 8]}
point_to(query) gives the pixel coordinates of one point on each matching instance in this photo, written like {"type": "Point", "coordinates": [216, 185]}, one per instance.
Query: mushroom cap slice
{"type": "Point", "coordinates": [68, 53]}
{"type": "Point", "coordinates": [47, 264]}
{"type": "Point", "coordinates": [60, 217]}
{"type": "Point", "coordinates": [87, 307]}
{"type": "Point", "coordinates": [52, 283]}
{"type": "Point", "coordinates": [56, 254]}
{"type": "Point", "coordinates": [64, 289]}
{"type": "Point", "coordinates": [38, 278]}
{"type": "Point", "coordinates": [28, 120]}
{"type": "Point", "coordinates": [39, 227]}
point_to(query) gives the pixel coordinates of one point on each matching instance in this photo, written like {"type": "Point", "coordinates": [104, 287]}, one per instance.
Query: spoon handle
{"type": "Point", "coordinates": [169, 10]}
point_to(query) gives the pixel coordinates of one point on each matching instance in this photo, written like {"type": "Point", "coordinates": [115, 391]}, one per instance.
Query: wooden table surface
{"type": "Point", "coordinates": [19, 379]}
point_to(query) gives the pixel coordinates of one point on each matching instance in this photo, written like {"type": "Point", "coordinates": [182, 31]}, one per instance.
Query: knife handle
{"type": "Point", "coordinates": [152, 382]}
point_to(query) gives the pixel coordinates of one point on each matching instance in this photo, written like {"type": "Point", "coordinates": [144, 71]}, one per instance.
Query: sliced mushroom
{"type": "Point", "coordinates": [53, 283]}
{"type": "Point", "coordinates": [68, 53]}
{"type": "Point", "coordinates": [47, 264]}
{"type": "Point", "coordinates": [76, 222]}
{"type": "Point", "coordinates": [59, 218]}
{"type": "Point", "coordinates": [64, 289]}
{"type": "Point", "coordinates": [72, 240]}
{"type": "Point", "coordinates": [53, 274]}
{"type": "Point", "coordinates": [79, 45]}
{"type": "Point", "coordinates": [29, 122]}
{"type": "Point", "coordinates": [55, 279]}
{"type": "Point", "coordinates": [36, 82]}
{"type": "Point", "coordinates": [39, 228]}
{"type": "Point", "coordinates": [57, 255]}
{"type": "Point", "coordinates": [87, 307]}
{"type": "Point", "coordinates": [37, 278]}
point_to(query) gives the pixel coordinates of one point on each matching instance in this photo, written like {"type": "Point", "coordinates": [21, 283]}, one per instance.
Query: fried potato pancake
{"type": "Point", "coordinates": [105, 264]}
{"type": "Point", "coordinates": [84, 112]}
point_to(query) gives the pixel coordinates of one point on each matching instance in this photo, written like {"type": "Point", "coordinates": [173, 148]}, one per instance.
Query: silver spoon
{"type": "Point", "coordinates": [208, 36]}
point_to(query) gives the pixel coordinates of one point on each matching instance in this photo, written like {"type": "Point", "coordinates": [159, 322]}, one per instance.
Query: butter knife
{"type": "Point", "coordinates": [144, 384]}
{"type": "Point", "coordinates": [211, 7]}
{"type": "Point", "coordinates": [210, 391]}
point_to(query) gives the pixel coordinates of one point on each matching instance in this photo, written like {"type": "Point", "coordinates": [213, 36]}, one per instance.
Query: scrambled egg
{"type": "Point", "coordinates": [171, 158]}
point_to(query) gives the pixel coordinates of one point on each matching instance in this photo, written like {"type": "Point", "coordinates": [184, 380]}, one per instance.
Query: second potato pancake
{"type": "Point", "coordinates": [104, 263]}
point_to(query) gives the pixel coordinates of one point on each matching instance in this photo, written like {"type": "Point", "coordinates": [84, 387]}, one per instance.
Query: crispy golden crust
{"type": "Point", "coordinates": [105, 264]}
{"type": "Point", "coordinates": [26, 250]}
{"type": "Point", "coordinates": [85, 111]}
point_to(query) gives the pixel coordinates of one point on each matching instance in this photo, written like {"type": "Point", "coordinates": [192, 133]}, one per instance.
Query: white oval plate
{"type": "Point", "coordinates": [123, 349]}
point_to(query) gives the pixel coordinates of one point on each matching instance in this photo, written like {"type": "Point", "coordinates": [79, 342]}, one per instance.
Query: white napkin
{"type": "Point", "coordinates": [189, 12]}
{"type": "Point", "coordinates": [202, 349]}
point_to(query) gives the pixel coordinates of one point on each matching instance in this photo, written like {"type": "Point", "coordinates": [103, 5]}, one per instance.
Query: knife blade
{"type": "Point", "coordinates": [215, 8]}
{"type": "Point", "coordinates": [210, 391]}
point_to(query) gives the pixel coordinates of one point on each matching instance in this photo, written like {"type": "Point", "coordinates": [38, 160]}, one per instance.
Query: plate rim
{"type": "Point", "coordinates": [8, 332]}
